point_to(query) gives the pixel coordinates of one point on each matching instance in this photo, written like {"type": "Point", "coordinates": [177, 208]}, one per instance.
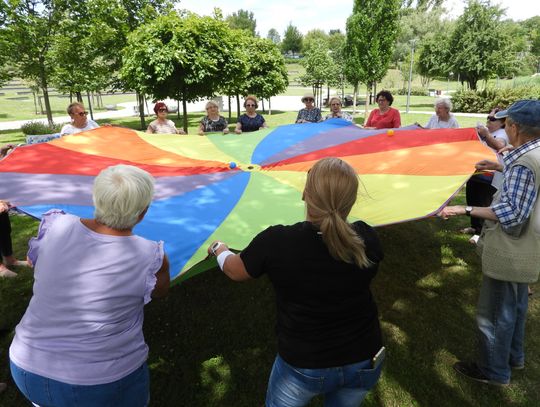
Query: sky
{"type": "Point", "coordinates": [326, 15]}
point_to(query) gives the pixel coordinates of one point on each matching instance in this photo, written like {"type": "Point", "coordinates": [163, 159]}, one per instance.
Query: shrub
{"type": "Point", "coordinates": [414, 91]}
{"type": "Point", "coordinates": [38, 128]}
{"type": "Point", "coordinates": [475, 101]}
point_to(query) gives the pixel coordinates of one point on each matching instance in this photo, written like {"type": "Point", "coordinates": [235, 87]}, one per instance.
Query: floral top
{"type": "Point", "coordinates": [210, 125]}
{"type": "Point", "coordinates": [251, 123]}
{"type": "Point", "coordinates": [340, 115]}
{"type": "Point", "coordinates": [309, 115]}
{"type": "Point", "coordinates": [163, 128]}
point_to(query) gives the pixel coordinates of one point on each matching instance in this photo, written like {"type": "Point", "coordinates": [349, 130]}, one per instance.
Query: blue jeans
{"type": "Point", "coordinates": [344, 386]}
{"type": "Point", "coordinates": [130, 391]}
{"type": "Point", "coordinates": [500, 316]}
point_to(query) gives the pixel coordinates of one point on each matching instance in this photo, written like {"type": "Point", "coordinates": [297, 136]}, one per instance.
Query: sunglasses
{"type": "Point", "coordinates": [82, 114]}
{"type": "Point", "coordinates": [309, 100]}
{"type": "Point", "coordinates": [492, 119]}
{"type": "Point", "coordinates": [250, 105]}
{"type": "Point", "coordinates": [162, 110]}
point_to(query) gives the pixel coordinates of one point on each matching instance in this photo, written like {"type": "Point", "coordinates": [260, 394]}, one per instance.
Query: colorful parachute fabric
{"type": "Point", "coordinates": [201, 197]}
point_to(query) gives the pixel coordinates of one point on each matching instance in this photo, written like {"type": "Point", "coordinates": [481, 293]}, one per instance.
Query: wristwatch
{"type": "Point", "coordinates": [468, 210]}
{"type": "Point", "coordinates": [214, 247]}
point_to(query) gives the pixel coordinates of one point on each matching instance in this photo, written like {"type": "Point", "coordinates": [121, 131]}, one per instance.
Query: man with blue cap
{"type": "Point", "coordinates": [510, 249]}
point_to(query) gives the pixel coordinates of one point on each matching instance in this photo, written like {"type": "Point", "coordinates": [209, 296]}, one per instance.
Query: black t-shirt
{"type": "Point", "coordinates": [326, 315]}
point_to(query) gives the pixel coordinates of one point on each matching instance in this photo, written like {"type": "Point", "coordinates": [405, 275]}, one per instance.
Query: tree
{"type": "Point", "coordinates": [267, 74]}
{"type": "Point", "coordinates": [480, 47]}
{"type": "Point", "coordinates": [273, 36]}
{"type": "Point", "coordinates": [243, 20]}
{"type": "Point", "coordinates": [368, 46]}
{"type": "Point", "coordinates": [183, 57]}
{"type": "Point", "coordinates": [433, 57]}
{"type": "Point", "coordinates": [292, 40]}
{"type": "Point", "coordinates": [320, 68]}
{"type": "Point", "coordinates": [30, 27]}
{"type": "Point", "coordinates": [314, 37]}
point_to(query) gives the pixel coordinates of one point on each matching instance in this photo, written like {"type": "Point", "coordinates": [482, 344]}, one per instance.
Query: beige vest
{"type": "Point", "coordinates": [514, 258]}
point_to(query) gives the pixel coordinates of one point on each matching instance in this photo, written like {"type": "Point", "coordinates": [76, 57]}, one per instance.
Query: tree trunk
{"type": "Point", "coordinates": [79, 97]}
{"type": "Point", "coordinates": [178, 109]}
{"type": "Point", "coordinates": [237, 105]}
{"type": "Point", "coordinates": [367, 100]}
{"type": "Point", "coordinates": [140, 101]}
{"type": "Point", "coordinates": [229, 102]}
{"type": "Point", "coordinates": [355, 94]}
{"type": "Point", "coordinates": [262, 104]}
{"type": "Point", "coordinates": [90, 105]}
{"type": "Point", "coordinates": [269, 107]}
{"type": "Point", "coordinates": [184, 109]}
{"type": "Point", "coordinates": [373, 94]}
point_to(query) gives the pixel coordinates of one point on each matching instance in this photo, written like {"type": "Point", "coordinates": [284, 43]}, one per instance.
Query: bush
{"type": "Point", "coordinates": [414, 92]}
{"type": "Point", "coordinates": [483, 101]}
{"type": "Point", "coordinates": [38, 128]}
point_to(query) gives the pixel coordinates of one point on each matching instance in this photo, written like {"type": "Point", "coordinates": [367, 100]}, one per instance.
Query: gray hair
{"type": "Point", "coordinates": [121, 194]}
{"type": "Point", "coordinates": [211, 103]}
{"type": "Point", "coordinates": [72, 105]}
{"type": "Point", "coordinates": [445, 102]}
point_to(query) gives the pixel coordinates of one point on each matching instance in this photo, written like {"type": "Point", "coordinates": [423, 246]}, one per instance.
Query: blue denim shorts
{"type": "Point", "coordinates": [343, 386]}
{"type": "Point", "coordinates": [130, 391]}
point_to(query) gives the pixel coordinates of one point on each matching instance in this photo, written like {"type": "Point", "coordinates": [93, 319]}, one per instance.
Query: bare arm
{"type": "Point", "coordinates": [150, 130]}
{"type": "Point", "coordinates": [477, 211]}
{"type": "Point", "coordinates": [487, 165]}
{"type": "Point", "coordinates": [238, 129]}
{"type": "Point", "coordinates": [201, 129]}
{"type": "Point", "coordinates": [233, 267]}
{"type": "Point", "coordinates": [163, 280]}
{"type": "Point", "coordinates": [491, 141]}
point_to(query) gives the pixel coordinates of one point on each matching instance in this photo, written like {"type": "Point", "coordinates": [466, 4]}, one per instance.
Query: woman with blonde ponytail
{"type": "Point", "coordinates": [329, 338]}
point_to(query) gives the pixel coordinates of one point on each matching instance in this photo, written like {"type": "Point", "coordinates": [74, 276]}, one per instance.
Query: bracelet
{"type": "Point", "coordinates": [222, 257]}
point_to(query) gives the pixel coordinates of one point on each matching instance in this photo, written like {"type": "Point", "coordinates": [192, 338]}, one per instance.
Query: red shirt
{"type": "Point", "coordinates": [388, 120]}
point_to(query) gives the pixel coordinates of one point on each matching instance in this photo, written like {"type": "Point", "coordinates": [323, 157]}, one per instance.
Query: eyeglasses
{"type": "Point", "coordinates": [381, 100]}
{"type": "Point", "coordinates": [250, 105]}
{"type": "Point", "coordinates": [309, 100]}
{"type": "Point", "coordinates": [162, 110]}
{"type": "Point", "coordinates": [81, 114]}
{"type": "Point", "coordinates": [492, 119]}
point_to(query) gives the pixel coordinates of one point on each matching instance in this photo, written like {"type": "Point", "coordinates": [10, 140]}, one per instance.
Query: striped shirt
{"type": "Point", "coordinates": [518, 193]}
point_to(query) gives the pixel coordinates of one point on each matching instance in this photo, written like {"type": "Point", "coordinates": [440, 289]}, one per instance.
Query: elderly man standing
{"type": "Point", "coordinates": [79, 120]}
{"type": "Point", "coordinates": [510, 249]}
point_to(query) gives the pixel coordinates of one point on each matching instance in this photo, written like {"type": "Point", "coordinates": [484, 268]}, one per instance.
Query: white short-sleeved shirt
{"type": "Point", "coordinates": [435, 123]}
{"type": "Point", "coordinates": [71, 129]}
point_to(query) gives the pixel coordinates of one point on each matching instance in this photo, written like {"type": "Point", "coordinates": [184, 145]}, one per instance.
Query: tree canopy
{"type": "Point", "coordinates": [243, 20]}
{"type": "Point", "coordinates": [274, 36]}
{"type": "Point", "coordinates": [292, 40]}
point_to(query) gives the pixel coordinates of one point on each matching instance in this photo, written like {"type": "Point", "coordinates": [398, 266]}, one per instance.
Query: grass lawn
{"type": "Point", "coordinates": [212, 341]}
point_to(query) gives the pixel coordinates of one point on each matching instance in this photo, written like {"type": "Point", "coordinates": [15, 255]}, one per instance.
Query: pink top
{"type": "Point", "coordinates": [388, 120]}
{"type": "Point", "coordinates": [83, 325]}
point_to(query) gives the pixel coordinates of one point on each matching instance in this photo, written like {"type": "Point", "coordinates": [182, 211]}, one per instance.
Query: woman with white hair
{"type": "Point", "coordinates": [329, 338]}
{"type": "Point", "coordinates": [336, 112]}
{"type": "Point", "coordinates": [213, 122]}
{"type": "Point", "coordinates": [442, 119]}
{"type": "Point", "coordinates": [80, 341]}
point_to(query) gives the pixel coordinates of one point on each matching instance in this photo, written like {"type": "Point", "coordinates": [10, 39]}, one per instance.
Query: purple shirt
{"type": "Point", "coordinates": [84, 322]}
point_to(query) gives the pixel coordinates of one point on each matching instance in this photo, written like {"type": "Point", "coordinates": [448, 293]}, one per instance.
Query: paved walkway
{"type": "Point", "coordinates": [128, 109]}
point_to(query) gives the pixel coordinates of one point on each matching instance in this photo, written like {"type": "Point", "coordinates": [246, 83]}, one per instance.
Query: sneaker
{"type": "Point", "coordinates": [474, 240]}
{"type": "Point", "coordinates": [517, 367]}
{"type": "Point", "coordinates": [473, 372]}
{"type": "Point", "coordinates": [3, 387]}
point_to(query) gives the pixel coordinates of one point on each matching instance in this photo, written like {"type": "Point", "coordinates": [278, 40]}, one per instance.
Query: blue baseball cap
{"type": "Point", "coordinates": [526, 111]}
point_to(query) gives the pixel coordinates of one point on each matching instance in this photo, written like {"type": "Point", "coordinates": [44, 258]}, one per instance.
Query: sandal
{"type": "Point", "coordinates": [468, 231]}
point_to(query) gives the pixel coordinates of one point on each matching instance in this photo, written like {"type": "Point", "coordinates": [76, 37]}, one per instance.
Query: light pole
{"type": "Point", "coordinates": [413, 42]}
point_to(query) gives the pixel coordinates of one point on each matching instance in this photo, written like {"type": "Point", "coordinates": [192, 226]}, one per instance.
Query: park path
{"type": "Point", "coordinates": [127, 109]}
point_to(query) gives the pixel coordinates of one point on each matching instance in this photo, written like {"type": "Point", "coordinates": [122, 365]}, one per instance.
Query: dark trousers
{"type": "Point", "coordinates": [478, 193]}
{"type": "Point", "coordinates": [5, 235]}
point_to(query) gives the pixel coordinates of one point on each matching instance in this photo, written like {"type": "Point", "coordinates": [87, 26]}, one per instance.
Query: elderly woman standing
{"type": "Point", "coordinates": [309, 114]}
{"type": "Point", "coordinates": [385, 117]}
{"type": "Point", "coordinates": [251, 120]}
{"type": "Point", "coordinates": [80, 342]}
{"type": "Point", "coordinates": [162, 125]}
{"type": "Point", "coordinates": [336, 112]}
{"type": "Point", "coordinates": [213, 122]}
{"type": "Point", "coordinates": [442, 119]}
{"type": "Point", "coordinates": [329, 338]}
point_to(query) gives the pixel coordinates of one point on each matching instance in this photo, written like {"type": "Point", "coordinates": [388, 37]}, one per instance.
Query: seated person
{"type": "Point", "coordinates": [442, 119]}
{"type": "Point", "coordinates": [79, 120]}
{"type": "Point", "coordinates": [162, 125]}
{"type": "Point", "coordinates": [251, 120]}
{"type": "Point", "coordinates": [336, 112]}
{"type": "Point", "coordinates": [213, 122]}
{"type": "Point", "coordinates": [309, 114]}
{"type": "Point", "coordinates": [385, 117]}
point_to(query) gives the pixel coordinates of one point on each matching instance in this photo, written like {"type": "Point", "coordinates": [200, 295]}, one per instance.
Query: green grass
{"type": "Point", "coordinates": [212, 341]}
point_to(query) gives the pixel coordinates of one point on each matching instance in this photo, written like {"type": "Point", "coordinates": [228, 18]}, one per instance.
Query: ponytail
{"type": "Point", "coordinates": [330, 193]}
